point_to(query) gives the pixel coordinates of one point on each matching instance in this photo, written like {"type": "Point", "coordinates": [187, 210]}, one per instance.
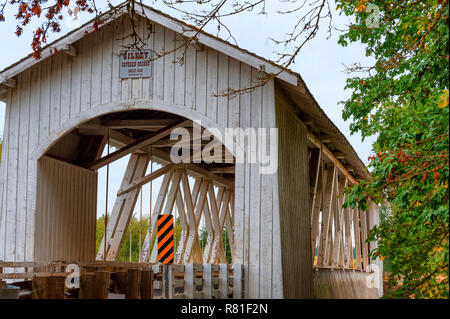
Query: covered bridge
{"type": "Point", "coordinates": [287, 229]}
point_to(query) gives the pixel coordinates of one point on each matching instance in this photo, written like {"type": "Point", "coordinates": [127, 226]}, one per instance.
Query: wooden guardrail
{"type": "Point", "coordinates": [102, 280]}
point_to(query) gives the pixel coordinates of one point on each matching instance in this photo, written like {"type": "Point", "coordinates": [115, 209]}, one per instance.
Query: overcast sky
{"type": "Point", "coordinates": [321, 63]}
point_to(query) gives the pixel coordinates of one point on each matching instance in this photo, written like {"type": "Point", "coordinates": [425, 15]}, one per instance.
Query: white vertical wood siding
{"type": "Point", "coordinates": [295, 217]}
{"type": "Point", "coordinates": [66, 212]}
{"type": "Point", "coordinates": [63, 91]}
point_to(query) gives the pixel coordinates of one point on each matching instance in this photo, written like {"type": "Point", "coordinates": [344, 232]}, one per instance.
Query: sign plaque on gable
{"type": "Point", "coordinates": [135, 64]}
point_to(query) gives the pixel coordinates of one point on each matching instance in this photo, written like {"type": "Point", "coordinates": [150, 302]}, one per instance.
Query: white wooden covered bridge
{"type": "Point", "coordinates": [287, 229]}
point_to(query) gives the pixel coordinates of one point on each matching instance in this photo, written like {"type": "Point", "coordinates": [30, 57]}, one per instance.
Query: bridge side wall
{"type": "Point", "coordinates": [344, 284]}
{"type": "Point", "coordinates": [294, 197]}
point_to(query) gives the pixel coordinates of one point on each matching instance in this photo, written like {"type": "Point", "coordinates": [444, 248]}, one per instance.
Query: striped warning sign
{"type": "Point", "coordinates": [165, 239]}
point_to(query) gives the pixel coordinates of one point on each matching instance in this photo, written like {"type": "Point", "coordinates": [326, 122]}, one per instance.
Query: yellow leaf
{"type": "Point", "coordinates": [443, 102]}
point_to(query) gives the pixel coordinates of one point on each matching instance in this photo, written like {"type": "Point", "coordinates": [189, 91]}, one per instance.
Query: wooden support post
{"type": "Point", "coordinates": [171, 281]}
{"type": "Point", "coordinates": [40, 287]}
{"type": "Point", "coordinates": [181, 246]}
{"type": "Point", "coordinates": [207, 281]}
{"type": "Point", "coordinates": [357, 237]}
{"type": "Point", "coordinates": [167, 282]}
{"type": "Point", "coordinates": [349, 213]}
{"type": "Point", "coordinates": [193, 242]}
{"type": "Point", "coordinates": [151, 231]}
{"type": "Point", "coordinates": [229, 224]}
{"type": "Point", "coordinates": [146, 284]}
{"type": "Point", "coordinates": [331, 220]}
{"type": "Point", "coordinates": [219, 245]}
{"type": "Point", "coordinates": [327, 206]}
{"type": "Point", "coordinates": [133, 284]}
{"type": "Point", "coordinates": [86, 286]}
{"type": "Point", "coordinates": [238, 275]}
{"type": "Point", "coordinates": [363, 219]}
{"type": "Point", "coordinates": [120, 281]}
{"type": "Point", "coordinates": [101, 284]}
{"type": "Point", "coordinates": [2, 282]}
{"type": "Point", "coordinates": [315, 213]}
{"type": "Point", "coordinates": [56, 287]}
{"type": "Point", "coordinates": [223, 281]}
{"type": "Point", "coordinates": [339, 223]}
{"type": "Point", "coordinates": [123, 208]}
{"type": "Point", "coordinates": [189, 281]}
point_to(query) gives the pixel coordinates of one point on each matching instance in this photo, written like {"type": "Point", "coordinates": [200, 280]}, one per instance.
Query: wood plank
{"type": "Point", "coordinates": [40, 287]}
{"type": "Point", "coordinates": [125, 206]}
{"type": "Point", "coordinates": [145, 179]}
{"type": "Point", "coordinates": [189, 275]}
{"type": "Point", "coordinates": [133, 284]}
{"type": "Point", "coordinates": [146, 285]}
{"type": "Point", "coordinates": [207, 281]}
{"type": "Point", "coordinates": [151, 231]}
{"type": "Point", "coordinates": [326, 212]}
{"type": "Point", "coordinates": [156, 124]}
{"type": "Point", "coordinates": [223, 281]}
{"type": "Point", "coordinates": [158, 64]}
{"type": "Point", "coordinates": [181, 246]}
{"type": "Point", "coordinates": [138, 144]}
{"type": "Point", "coordinates": [86, 286]}
{"type": "Point", "coordinates": [193, 241]}
{"type": "Point", "coordinates": [56, 287]}
{"type": "Point", "coordinates": [326, 152]}
{"type": "Point", "coordinates": [101, 284]}
{"type": "Point", "coordinates": [316, 206]}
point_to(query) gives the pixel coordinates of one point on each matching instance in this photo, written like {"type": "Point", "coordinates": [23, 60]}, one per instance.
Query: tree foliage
{"type": "Point", "coordinates": [403, 99]}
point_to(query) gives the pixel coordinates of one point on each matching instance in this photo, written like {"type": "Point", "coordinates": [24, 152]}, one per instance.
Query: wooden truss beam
{"type": "Point", "coordinates": [194, 170]}
{"type": "Point", "coordinates": [329, 154]}
{"type": "Point", "coordinates": [155, 124]}
{"type": "Point", "coordinates": [138, 144]}
{"type": "Point", "coordinates": [122, 210]}
{"type": "Point", "coordinates": [145, 179]}
{"type": "Point", "coordinates": [150, 235]}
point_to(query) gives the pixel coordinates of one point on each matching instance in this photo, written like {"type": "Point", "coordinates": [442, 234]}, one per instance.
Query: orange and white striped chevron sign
{"type": "Point", "coordinates": [165, 239]}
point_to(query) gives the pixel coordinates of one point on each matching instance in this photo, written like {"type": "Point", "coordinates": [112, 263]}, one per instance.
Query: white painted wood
{"type": "Point", "coordinates": [24, 122]}
{"type": "Point", "coordinates": [211, 84]}
{"type": "Point", "coordinates": [237, 281]}
{"type": "Point", "coordinates": [207, 281]}
{"type": "Point", "coordinates": [158, 65]}
{"type": "Point", "coordinates": [223, 281]}
{"type": "Point", "coordinates": [74, 206]}
{"type": "Point", "coordinates": [86, 70]}
{"type": "Point", "coordinates": [169, 65]}
{"type": "Point", "coordinates": [107, 35]}
{"type": "Point", "coordinates": [255, 200]}
{"type": "Point", "coordinates": [97, 59]}
{"type": "Point", "coordinates": [268, 119]}
{"type": "Point", "coordinates": [201, 81]}
{"type": "Point", "coordinates": [189, 276]}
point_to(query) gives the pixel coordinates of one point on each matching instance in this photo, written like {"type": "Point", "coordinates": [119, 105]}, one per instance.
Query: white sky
{"type": "Point", "coordinates": [321, 65]}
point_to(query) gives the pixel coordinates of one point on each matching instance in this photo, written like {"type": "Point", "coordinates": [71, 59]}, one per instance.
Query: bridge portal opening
{"type": "Point", "coordinates": [101, 187]}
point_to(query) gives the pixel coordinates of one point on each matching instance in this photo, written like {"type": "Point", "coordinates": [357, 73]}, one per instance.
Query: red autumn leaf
{"type": "Point", "coordinates": [23, 8]}
{"type": "Point", "coordinates": [18, 31]}
{"type": "Point", "coordinates": [37, 10]}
